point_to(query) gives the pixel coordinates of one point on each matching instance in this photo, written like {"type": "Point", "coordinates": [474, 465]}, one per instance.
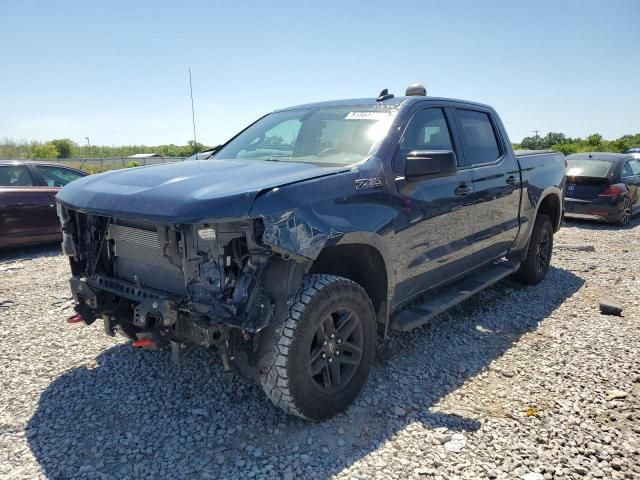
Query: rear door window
{"type": "Point", "coordinates": [479, 140]}
{"type": "Point", "coordinates": [635, 167]}
{"type": "Point", "coordinates": [57, 176]}
{"type": "Point", "coordinates": [15, 176]}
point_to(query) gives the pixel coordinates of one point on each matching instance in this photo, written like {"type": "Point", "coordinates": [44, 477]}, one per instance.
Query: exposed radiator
{"type": "Point", "coordinates": [138, 255]}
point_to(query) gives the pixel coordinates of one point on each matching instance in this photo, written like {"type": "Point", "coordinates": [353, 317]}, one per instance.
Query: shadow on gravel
{"type": "Point", "coordinates": [135, 414]}
{"type": "Point", "coordinates": [600, 226]}
{"type": "Point", "coordinates": [24, 253]}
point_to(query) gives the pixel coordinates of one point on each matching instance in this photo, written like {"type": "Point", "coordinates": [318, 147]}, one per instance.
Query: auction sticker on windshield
{"type": "Point", "coordinates": [367, 115]}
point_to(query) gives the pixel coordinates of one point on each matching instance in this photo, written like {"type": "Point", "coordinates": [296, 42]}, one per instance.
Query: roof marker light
{"type": "Point", "coordinates": [416, 90]}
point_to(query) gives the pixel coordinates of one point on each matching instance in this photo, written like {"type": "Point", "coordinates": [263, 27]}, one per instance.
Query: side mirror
{"type": "Point", "coordinates": [426, 164]}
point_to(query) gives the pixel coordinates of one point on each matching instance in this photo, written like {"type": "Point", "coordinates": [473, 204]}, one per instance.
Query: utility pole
{"type": "Point", "coordinates": [89, 145]}
{"type": "Point", "coordinates": [536, 137]}
{"type": "Point", "coordinates": [193, 115]}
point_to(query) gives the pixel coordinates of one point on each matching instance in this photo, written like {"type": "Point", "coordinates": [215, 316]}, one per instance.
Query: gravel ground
{"type": "Point", "coordinates": [518, 382]}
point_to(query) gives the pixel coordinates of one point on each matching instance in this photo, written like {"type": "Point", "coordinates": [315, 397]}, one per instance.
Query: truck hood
{"type": "Point", "coordinates": [185, 192]}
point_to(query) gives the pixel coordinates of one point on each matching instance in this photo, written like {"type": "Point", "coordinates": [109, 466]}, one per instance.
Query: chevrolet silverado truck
{"type": "Point", "coordinates": [308, 234]}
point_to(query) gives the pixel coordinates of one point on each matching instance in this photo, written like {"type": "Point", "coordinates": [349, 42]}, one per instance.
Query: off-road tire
{"type": "Point", "coordinates": [288, 381]}
{"type": "Point", "coordinates": [531, 272]}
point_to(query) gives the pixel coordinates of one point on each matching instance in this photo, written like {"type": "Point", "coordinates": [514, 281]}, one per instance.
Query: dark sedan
{"type": "Point", "coordinates": [27, 205]}
{"type": "Point", "coordinates": [603, 186]}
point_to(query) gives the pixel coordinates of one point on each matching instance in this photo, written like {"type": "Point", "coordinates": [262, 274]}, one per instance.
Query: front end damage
{"type": "Point", "coordinates": [211, 284]}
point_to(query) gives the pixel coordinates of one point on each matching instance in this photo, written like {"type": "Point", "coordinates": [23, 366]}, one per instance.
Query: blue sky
{"type": "Point", "coordinates": [116, 71]}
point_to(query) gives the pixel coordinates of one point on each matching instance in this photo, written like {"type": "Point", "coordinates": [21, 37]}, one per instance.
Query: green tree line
{"type": "Point", "coordinates": [64, 148]}
{"type": "Point", "coordinates": [568, 145]}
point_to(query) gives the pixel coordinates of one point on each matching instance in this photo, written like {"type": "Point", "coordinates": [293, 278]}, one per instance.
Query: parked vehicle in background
{"type": "Point", "coordinates": [603, 186]}
{"type": "Point", "coordinates": [203, 155]}
{"type": "Point", "coordinates": [27, 201]}
{"type": "Point", "coordinates": [310, 231]}
{"type": "Point", "coordinates": [635, 152]}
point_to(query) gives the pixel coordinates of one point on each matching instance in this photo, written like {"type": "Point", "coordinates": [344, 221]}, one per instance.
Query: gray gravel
{"type": "Point", "coordinates": [519, 382]}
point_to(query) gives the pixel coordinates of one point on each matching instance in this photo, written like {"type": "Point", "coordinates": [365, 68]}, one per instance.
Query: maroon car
{"type": "Point", "coordinates": [27, 205]}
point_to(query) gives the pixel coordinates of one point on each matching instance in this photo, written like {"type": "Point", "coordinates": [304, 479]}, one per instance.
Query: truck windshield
{"type": "Point", "coordinates": [323, 136]}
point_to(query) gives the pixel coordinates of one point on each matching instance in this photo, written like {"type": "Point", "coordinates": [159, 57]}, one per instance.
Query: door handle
{"type": "Point", "coordinates": [511, 180]}
{"type": "Point", "coordinates": [463, 191]}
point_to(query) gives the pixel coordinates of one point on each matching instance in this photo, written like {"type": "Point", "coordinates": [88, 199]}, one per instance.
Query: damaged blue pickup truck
{"type": "Point", "coordinates": [310, 233]}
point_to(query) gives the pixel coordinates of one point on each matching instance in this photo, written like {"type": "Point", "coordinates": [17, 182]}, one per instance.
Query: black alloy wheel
{"type": "Point", "coordinates": [625, 212]}
{"type": "Point", "coordinates": [336, 350]}
{"type": "Point", "coordinates": [543, 248]}
{"type": "Point", "coordinates": [536, 264]}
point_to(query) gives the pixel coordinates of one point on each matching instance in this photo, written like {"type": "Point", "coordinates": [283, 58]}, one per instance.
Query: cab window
{"type": "Point", "coordinates": [427, 130]}
{"type": "Point", "coordinates": [57, 176]}
{"type": "Point", "coordinates": [15, 176]}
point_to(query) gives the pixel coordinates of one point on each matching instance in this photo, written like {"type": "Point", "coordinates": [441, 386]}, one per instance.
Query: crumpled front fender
{"type": "Point", "coordinates": [302, 218]}
{"type": "Point", "coordinates": [296, 232]}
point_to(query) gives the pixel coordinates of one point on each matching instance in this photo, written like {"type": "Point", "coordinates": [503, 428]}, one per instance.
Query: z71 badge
{"type": "Point", "coordinates": [375, 182]}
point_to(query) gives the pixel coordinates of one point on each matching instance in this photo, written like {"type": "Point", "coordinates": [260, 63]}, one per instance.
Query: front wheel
{"type": "Point", "coordinates": [324, 350]}
{"type": "Point", "coordinates": [535, 266]}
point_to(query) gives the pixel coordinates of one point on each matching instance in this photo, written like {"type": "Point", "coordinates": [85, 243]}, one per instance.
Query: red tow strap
{"type": "Point", "coordinates": [77, 318]}
{"type": "Point", "coordinates": [143, 342]}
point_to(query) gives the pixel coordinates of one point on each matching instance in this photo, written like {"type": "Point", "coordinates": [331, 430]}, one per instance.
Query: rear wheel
{"type": "Point", "coordinates": [625, 212]}
{"type": "Point", "coordinates": [535, 266]}
{"type": "Point", "coordinates": [324, 350]}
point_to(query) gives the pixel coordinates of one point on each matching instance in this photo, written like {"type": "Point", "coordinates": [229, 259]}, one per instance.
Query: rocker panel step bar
{"type": "Point", "coordinates": [418, 314]}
